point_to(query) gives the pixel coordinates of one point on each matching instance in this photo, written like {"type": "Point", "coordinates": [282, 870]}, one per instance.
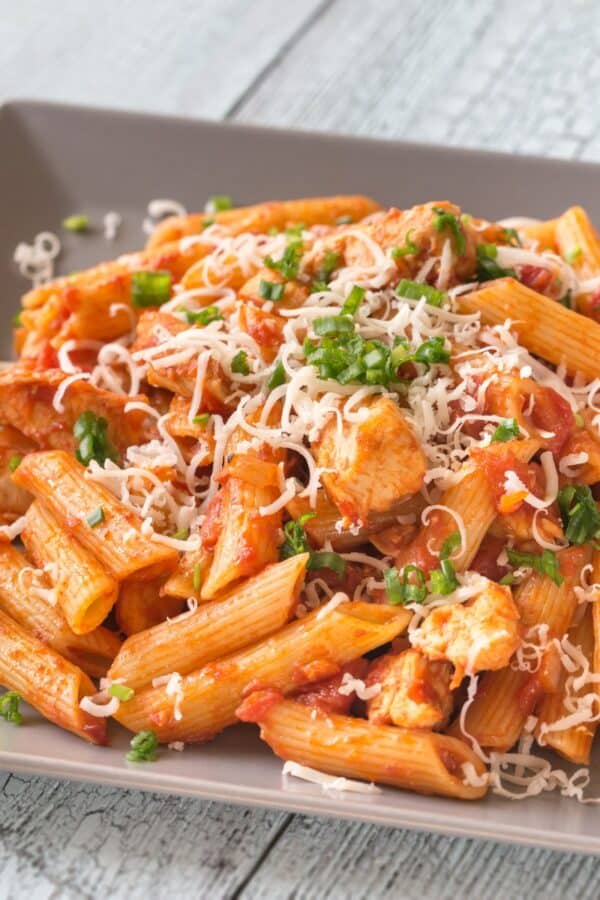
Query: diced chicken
{"type": "Point", "coordinates": [372, 464]}
{"type": "Point", "coordinates": [26, 401]}
{"type": "Point", "coordinates": [415, 691]}
{"type": "Point", "coordinates": [481, 634]}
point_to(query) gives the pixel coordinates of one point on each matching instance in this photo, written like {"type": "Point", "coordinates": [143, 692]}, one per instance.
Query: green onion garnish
{"type": "Point", "coordinates": [344, 220]}
{"type": "Point", "coordinates": [203, 316]}
{"type": "Point", "coordinates": [507, 430]}
{"type": "Point", "coordinates": [414, 290]}
{"type": "Point", "coordinates": [218, 203]}
{"type": "Point", "coordinates": [197, 577]}
{"type": "Point", "coordinates": [239, 363]}
{"type": "Point", "coordinates": [181, 535]}
{"type": "Point", "coordinates": [201, 419]}
{"type": "Point", "coordinates": [271, 290]}
{"type": "Point", "coordinates": [326, 559]}
{"type": "Point", "coordinates": [409, 249]}
{"type": "Point", "coordinates": [143, 747]}
{"type": "Point", "coordinates": [14, 462]}
{"type": "Point", "coordinates": [579, 513]}
{"type": "Point", "coordinates": [92, 433]}
{"type": "Point", "coordinates": [121, 692]}
{"type": "Point", "coordinates": [277, 377]}
{"type": "Point", "coordinates": [545, 563]}
{"type": "Point", "coordinates": [77, 222]}
{"type": "Point", "coordinates": [9, 707]}
{"type": "Point", "coordinates": [443, 219]}
{"type": "Point", "coordinates": [573, 254]}
{"type": "Point", "coordinates": [400, 592]}
{"type": "Point", "coordinates": [150, 288]}
{"type": "Point", "coordinates": [487, 267]}
{"type": "Point", "coordinates": [353, 300]}
{"type": "Point", "coordinates": [95, 517]}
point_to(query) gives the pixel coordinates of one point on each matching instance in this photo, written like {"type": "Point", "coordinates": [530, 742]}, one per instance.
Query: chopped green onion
{"type": "Point", "coordinates": [466, 218]}
{"type": "Point", "coordinates": [271, 290]}
{"type": "Point", "coordinates": [181, 535]}
{"type": "Point", "coordinates": [330, 325]}
{"type": "Point", "coordinates": [579, 513]}
{"type": "Point", "coordinates": [409, 249]}
{"type": "Point", "coordinates": [197, 577]}
{"type": "Point", "coordinates": [289, 263]}
{"type": "Point", "coordinates": [14, 462]}
{"type": "Point", "coordinates": [293, 232]}
{"type": "Point", "coordinates": [295, 538]}
{"type": "Point", "coordinates": [239, 363]}
{"type": "Point", "coordinates": [353, 300]}
{"type": "Point", "coordinates": [443, 580]}
{"type": "Point", "coordinates": [150, 288]}
{"type": "Point", "coordinates": [344, 220]}
{"type": "Point", "coordinates": [508, 579]}
{"type": "Point", "coordinates": [511, 237]}
{"type": "Point", "coordinates": [573, 254]}
{"type": "Point", "coordinates": [9, 707]}
{"type": "Point", "coordinates": [95, 517]}
{"type": "Point", "coordinates": [567, 300]}
{"type": "Point", "coordinates": [545, 563]}
{"type": "Point", "coordinates": [202, 316]}
{"type": "Point", "coordinates": [273, 230]}
{"type": "Point", "coordinates": [218, 203]}
{"type": "Point", "coordinates": [91, 431]}
{"type": "Point", "coordinates": [17, 319]}
{"type": "Point", "coordinates": [443, 219]}
{"type": "Point", "coordinates": [400, 592]}
{"type": "Point", "coordinates": [201, 419]}
{"type": "Point", "coordinates": [430, 352]}
{"type": "Point", "coordinates": [208, 222]}
{"type": "Point", "coordinates": [451, 544]}
{"type": "Point", "coordinates": [414, 290]}
{"type": "Point", "coordinates": [121, 692]}
{"type": "Point", "coordinates": [278, 376]}
{"type": "Point", "coordinates": [507, 430]}
{"type": "Point", "coordinates": [77, 222]}
{"type": "Point", "coordinates": [143, 747]}
{"type": "Point", "coordinates": [326, 559]}
{"type": "Point", "coordinates": [579, 420]}
{"type": "Point", "coordinates": [487, 267]}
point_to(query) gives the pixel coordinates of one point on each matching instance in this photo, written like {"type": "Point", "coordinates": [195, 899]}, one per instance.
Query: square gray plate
{"type": "Point", "coordinates": [57, 160]}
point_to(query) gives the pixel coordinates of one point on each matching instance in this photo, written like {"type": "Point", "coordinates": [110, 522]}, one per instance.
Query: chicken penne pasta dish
{"type": "Point", "coordinates": [323, 467]}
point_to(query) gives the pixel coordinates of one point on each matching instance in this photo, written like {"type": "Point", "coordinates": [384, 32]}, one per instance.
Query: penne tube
{"type": "Point", "coordinates": [186, 580]}
{"type": "Point", "coordinates": [85, 592]}
{"type": "Point", "coordinates": [47, 681]}
{"type": "Point", "coordinates": [413, 759]}
{"type": "Point", "coordinates": [266, 216]}
{"type": "Point", "coordinates": [59, 483]}
{"type": "Point", "coordinates": [537, 321]}
{"type": "Point", "coordinates": [141, 605]}
{"type": "Point", "coordinates": [505, 698]}
{"type": "Point", "coordinates": [258, 607]}
{"type": "Point", "coordinates": [574, 742]}
{"type": "Point", "coordinates": [543, 233]}
{"type": "Point", "coordinates": [578, 242]}
{"type": "Point", "coordinates": [26, 597]}
{"type": "Point", "coordinates": [306, 650]}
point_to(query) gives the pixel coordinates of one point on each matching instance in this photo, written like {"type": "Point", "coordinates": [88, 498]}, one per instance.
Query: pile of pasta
{"type": "Point", "coordinates": [323, 467]}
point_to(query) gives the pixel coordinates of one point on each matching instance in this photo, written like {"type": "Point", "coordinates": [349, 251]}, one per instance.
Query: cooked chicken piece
{"type": "Point", "coordinates": [481, 634]}
{"type": "Point", "coordinates": [266, 328]}
{"type": "Point", "coordinates": [372, 464]}
{"type": "Point", "coordinates": [26, 401]}
{"type": "Point", "coordinates": [181, 377]}
{"type": "Point", "coordinates": [415, 691]}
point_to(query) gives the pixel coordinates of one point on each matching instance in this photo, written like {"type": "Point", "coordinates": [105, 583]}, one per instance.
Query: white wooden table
{"type": "Point", "coordinates": [518, 75]}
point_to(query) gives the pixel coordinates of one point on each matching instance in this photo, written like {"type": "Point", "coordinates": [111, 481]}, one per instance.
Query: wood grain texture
{"type": "Point", "coordinates": [494, 73]}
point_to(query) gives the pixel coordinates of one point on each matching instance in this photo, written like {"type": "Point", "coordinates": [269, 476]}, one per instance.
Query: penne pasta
{"type": "Point", "coordinates": [84, 591]}
{"type": "Point", "coordinates": [413, 759]}
{"type": "Point", "coordinates": [303, 651]}
{"type": "Point", "coordinates": [578, 242]}
{"type": "Point", "coordinates": [263, 604]}
{"type": "Point", "coordinates": [141, 605]}
{"type": "Point", "coordinates": [58, 481]}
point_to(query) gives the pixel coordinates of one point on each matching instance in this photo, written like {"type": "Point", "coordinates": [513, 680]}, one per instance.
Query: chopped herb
{"type": "Point", "coordinates": [567, 300]}
{"type": "Point", "coordinates": [95, 517]}
{"type": "Point", "coordinates": [511, 237]}
{"type": "Point", "coordinates": [197, 577]}
{"type": "Point", "coordinates": [181, 535]}
{"type": "Point", "coordinates": [121, 692]}
{"type": "Point", "coordinates": [150, 288]}
{"type": "Point", "coordinates": [295, 539]}
{"type": "Point", "coordinates": [271, 290]}
{"type": "Point", "coordinates": [326, 559]}
{"type": "Point", "coordinates": [545, 563]}
{"type": "Point", "coordinates": [344, 220]}
{"type": "Point", "coordinates": [573, 254]}
{"type": "Point", "coordinates": [400, 592]}
{"type": "Point", "coordinates": [278, 376]}
{"type": "Point", "coordinates": [90, 431]}
{"type": "Point", "coordinates": [443, 219]}
{"type": "Point", "coordinates": [579, 420]}
{"type": "Point", "coordinates": [201, 419]}
{"type": "Point", "coordinates": [202, 316]}
{"type": "Point", "coordinates": [430, 352]}
{"type": "Point", "coordinates": [289, 263]}
{"type": "Point", "coordinates": [506, 431]}
{"type": "Point", "coordinates": [143, 747]}
{"type": "Point", "coordinates": [273, 230]}
{"type": "Point", "coordinates": [293, 232]}
{"type": "Point", "coordinates": [414, 290]}
{"type": "Point", "coordinates": [409, 249]}
{"type": "Point", "coordinates": [466, 218]}
{"type": "Point", "coordinates": [9, 707]}
{"type": "Point", "coordinates": [14, 462]}
{"type": "Point", "coordinates": [451, 544]}
{"type": "Point", "coordinates": [77, 222]}
{"type": "Point", "coordinates": [443, 580]}
{"type": "Point", "coordinates": [208, 222]}
{"type": "Point", "coordinates": [330, 262]}
{"type": "Point", "coordinates": [17, 319]}
{"type": "Point", "coordinates": [487, 267]}
{"type": "Point", "coordinates": [218, 203]}
{"type": "Point", "coordinates": [508, 579]}
{"type": "Point", "coordinates": [239, 363]}
{"type": "Point", "coordinates": [333, 325]}
{"type": "Point", "coordinates": [353, 300]}
{"type": "Point", "coordinates": [579, 513]}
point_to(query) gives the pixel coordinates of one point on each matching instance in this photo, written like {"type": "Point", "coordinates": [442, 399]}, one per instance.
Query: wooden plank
{"type": "Point", "coordinates": [89, 841]}
{"type": "Point", "coordinates": [502, 75]}
{"type": "Point", "coordinates": [189, 58]}
{"type": "Point", "coordinates": [316, 859]}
